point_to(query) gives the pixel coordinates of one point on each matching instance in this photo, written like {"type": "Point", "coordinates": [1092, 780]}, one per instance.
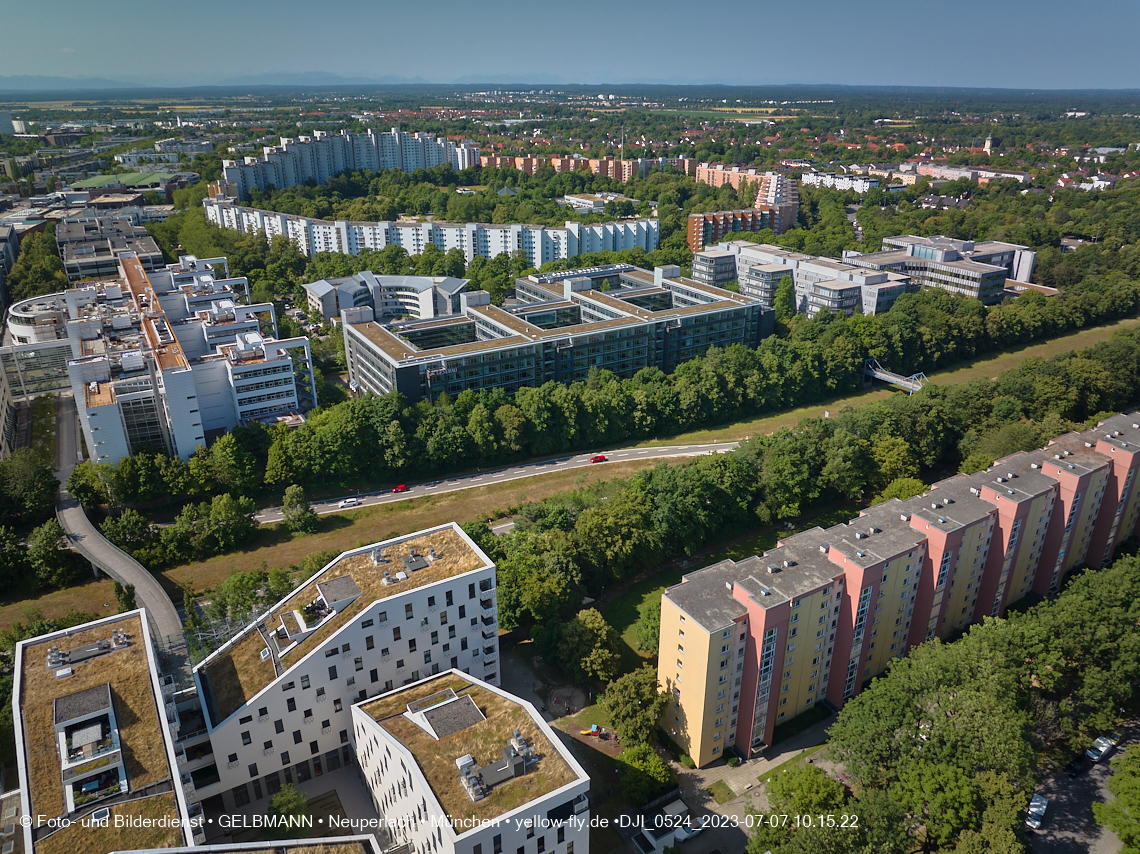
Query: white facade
{"type": "Point", "coordinates": [540, 243]}
{"type": "Point", "coordinates": [303, 714]}
{"type": "Point", "coordinates": [162, 359]}
{"type": "Point", "coordinates": [820, 283]}
{"type": "Point", "coordinates": [858, 183]}
{"type": "Point", "coordinates": [322, 155]}
{"type": "Point", "coordinates": [557, 822]}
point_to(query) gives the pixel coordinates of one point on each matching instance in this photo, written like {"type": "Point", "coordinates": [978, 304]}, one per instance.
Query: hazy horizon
{"type": "Point", "coordinates": [888, 43]}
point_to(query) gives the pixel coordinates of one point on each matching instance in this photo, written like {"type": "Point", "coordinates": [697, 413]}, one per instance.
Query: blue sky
{"type": "Point", "coordinates": [1009, 43]}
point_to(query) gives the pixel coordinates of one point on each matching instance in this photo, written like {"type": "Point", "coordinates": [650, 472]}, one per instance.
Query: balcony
{"type": "Point", "coordinates": [489, 650]}
{"type": "Point", "coordinates": [487, 620]}
{"type": "Point", "coordinates": [308, 719]}
{"type": "Point", "coordinates": [486, 604]}
{"type": "Point", "coordinates": [490, 634]}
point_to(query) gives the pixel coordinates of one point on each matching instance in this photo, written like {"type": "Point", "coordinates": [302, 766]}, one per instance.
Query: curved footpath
{"type": "Point", "coordinates": [86, 539]}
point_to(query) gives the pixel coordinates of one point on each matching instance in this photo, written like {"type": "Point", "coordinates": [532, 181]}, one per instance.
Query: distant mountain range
{"type": "Point", "coordinates": [43, 83]}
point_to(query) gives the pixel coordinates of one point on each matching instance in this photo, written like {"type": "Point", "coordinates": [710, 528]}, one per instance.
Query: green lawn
{"type": "Point", "coordinates": [720, 791]}
{"type": "Point", "coordinates": [583, 719]}
{"type": "Point", "coordinates": [43, 427]}
{"type": "Point", "coordinates": [792, 763]}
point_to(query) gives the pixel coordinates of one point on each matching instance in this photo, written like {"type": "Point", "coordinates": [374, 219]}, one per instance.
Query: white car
{"type": "Point", "coordinates": [1100, 748]}
{"type": "Point", "coordinates": [1036, 812]}
{"type": "Point", "coordinates": [349, 502]}
{"type": "Point", "coordinates": [695, 826]}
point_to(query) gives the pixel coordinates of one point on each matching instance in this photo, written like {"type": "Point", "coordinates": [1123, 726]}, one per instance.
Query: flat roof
{"type": "Point", "coordinates": [127, 670]}
{"type": "Point", "coordinates": [483, 740]}
{"type": "Point", "coordinates": [236, 672]}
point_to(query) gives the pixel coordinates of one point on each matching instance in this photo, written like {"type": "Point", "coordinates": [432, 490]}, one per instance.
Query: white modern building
{"type": "Point", "coordinates": [92, 720]}
{"type": "Point", "coordinates": [820, 283]}
{"type": "Point", "coordinates": [973, 269]}
{"type": "Point", "coordinates": [278, 696]}
{"type": "Point", "coordinates": [322, 155]}
{"type": "Point", "coordinates": [458, 766]}
{"type": "Point", "coordinates": [858, 183]}
{"type": "Point", "coordinates": [540, 243]}
{"type": "Point", "coordinates": [159, 359]}
{"type": "Point", "coordinates": [419, 297]}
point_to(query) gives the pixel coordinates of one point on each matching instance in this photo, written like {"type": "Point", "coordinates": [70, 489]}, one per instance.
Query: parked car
{"type": "Point", "coordinates": [349, 502]}
{"type": "Point", "coordinates": [1077, 767]}
{"type": "Point", "coordinates": [401, 488]}
{"type": "Point", "coordinates": [600, 458]}
{"type": "Point", "coordinates": [1036, 812]}
{"type": "Point", "coordinates": [695, 826]}
{"type": "Point", "coordinates": [1100, 748]}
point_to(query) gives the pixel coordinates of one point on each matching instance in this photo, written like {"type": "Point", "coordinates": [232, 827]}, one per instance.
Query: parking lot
{"type": "Point", "coordinates": [1069, 826]}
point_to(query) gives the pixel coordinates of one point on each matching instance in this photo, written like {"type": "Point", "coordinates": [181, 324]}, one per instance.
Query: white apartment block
{"type": "Point", "coordinates": [164, 358]}
{"type": "Point", "coordinates": [419, 297]}
{"type": "Point", "coordinates": [322, 155]}
{"type": "Point", "coordinates": [858, 183]}
{"type": "Point", "coordinates": [448, 761]}
{"type": "Point", "coordinates": [278, 696]}
{"type": "Point", "coordinates": [820, 283]}
{"type": "Point", "coordinates": [540, 243]}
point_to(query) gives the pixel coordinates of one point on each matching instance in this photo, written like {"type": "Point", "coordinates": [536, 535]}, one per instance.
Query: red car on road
{"type": "Point", "coordinates": [400, 488]}
{"type": "Point", "coordinates": [600, 458]}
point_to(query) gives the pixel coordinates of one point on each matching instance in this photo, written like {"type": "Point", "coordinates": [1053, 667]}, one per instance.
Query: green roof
{"type": "Point", "coordinates": [127, 179]}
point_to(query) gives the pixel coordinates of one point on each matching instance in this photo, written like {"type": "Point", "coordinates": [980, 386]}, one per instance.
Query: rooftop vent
{"type": "Point", "coordinates": [1010, 475]}
{"type": "Point", "coordinates": [823, 548]}
{"type": "Point", "coordinates": [1115, 432]}
{"type": "Point", "coordinates": [1072, 466]}
{"type": "Point", "coordinates": [765, 593]}
{"type": "Point", "coordinates": [789, 563]}
{"type": "Point", "coordinates": [1010, 491]}
{"type": "Point", "coordinates": [432, 556]}
{"type": "Point", "coordinates": [859, 535]}
{"type": "Point", "coordinates": [1088, 444]}
{"type": "Point", "coordinates": [1136, 426]}
{"type": "Point", "coordinates": [1056, 456]}
{"type": "Point", "coordinates": [1034, 466]}
{"type": "Point", "coordinates": [1001, 480]}
{"type": "Point", "coordinates": [872, 530]}
{"type": "Point", "coordinates": [942, 520]}
{"type": "Point", "coordinates": [264, 653]}
{"type": "Point", "coordinates": [934, 505]}
{"type": "Point", "coordinates": [773, 569]}
{"type": "Point", "coordinates": [905, 517]}
{"type": "Point", "coordinates": [948, 501]}
{"type": "Point", "coordinates": [860, 553]}
{"type": "Point", "coordinates": [378, 558]}
{"type": "Point", "coordinates": [974, 490]}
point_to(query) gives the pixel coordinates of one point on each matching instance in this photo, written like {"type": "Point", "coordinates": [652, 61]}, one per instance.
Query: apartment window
{"type": "Point", "coordinates": [245, 739]}
{"type": "Point", "coordinates": [443, 618]}
{"type": "Point", "coordinates": [366, 624]}
{"type": "Point", "coordinates": [314, 748]}
{"type": "Point", "coordinates": [463, 643]}
{"type": "Point", "coordinates": [358, 663]}
{"type": "Point", "coordinates": [412, 645]}
{"type": "Point", "coordinates": [382, 616]}
{"type": "Point", "coordinates": [304, 682]}
{"type": "Point", "coordinates": [462, 611]}
{"type": "Point", "coordinates": [447, 598]}
{"type": "Point", "coordinates": [329, 653]}
{"type": "Point", "coordinates": [434, 638]}
{"type": "Point", "coordinates": [288, 686]}
{"type": "Point", "coordinates": [279, 726]}
{"type": "Point", "coordinates": [332, 671]}
{"type": "Point", "coordinates": [431, 601]}
{"type": "Point", "coordinates": [284, 757]}
{"type": "Point", "coordinates": [470, 591]}
{"type": "Point", "coordinates": [680, 648]}
{"type": "Point", "coordinates": [291, 704]}
{"type": "Point", "coordinates": [296, 736]}
{"type": "Point", "coordinates": [253, 769]}
{"type": "Point", "coordinates": [338, 706]}
{"type": "Point", "coordinates": [374, 675]}
{"type": "Point", "coordinates": [408, 611]}
{"type": "Point", "coordinates": [369, 643]}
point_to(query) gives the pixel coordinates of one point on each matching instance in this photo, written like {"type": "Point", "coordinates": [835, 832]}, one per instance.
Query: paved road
{"type": "Point", "coordinates": [504, 475]}
{"type": "Point", "coordinates": [1069, 827]}
{"type": "Point", "coordinates": [86, 539]}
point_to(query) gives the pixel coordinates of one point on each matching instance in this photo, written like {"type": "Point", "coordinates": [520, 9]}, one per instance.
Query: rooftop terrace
{"type": "Point", "coordinates": [127, 671]}
{"type": "Point", "coordinates": [483, 740]}
{"type": "Point", "coordinates": [237, 672]}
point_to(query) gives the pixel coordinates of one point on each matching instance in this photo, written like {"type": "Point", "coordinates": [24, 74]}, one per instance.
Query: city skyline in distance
{"type": "Point", "coordinates": [889, 43]}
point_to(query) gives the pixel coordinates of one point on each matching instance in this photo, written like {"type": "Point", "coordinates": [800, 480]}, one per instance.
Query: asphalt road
{"type": "Point", "coordinates": [1069, 826]}
{"type": "Point", "coordinates": [503, 475]}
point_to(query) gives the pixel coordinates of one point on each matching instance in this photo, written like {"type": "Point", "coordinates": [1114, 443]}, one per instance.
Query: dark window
{"type": "Point", "coordinates": [412, 645]}
{"type": "Point", "coordinates": [388, 685]}
{"type": "Point", "coordinates": [541, 844]}
{"type": "Point", "coordinates": [326, 724]}
{"type": "Point", "coordinates": [303, 772]}
{"type": "Point", "coordinates": [304, 681]}
{"type": "Point", "coordinates": [346, 647]}
{"type": "Point", "coordinates": [279, 726]}
{"type": "Point", "coordinates": [288, 686]}
{"type": "Point", "coordinates": [245, 720]}
{"type": "Point", "coordinates": [448, 598]}
{"type": "Point", "coordinates": [463, 643]}
{"type": "Point", "coordinates": [296, 736]}
{"type": "Point", "coordinates": [268, 745]}
{"type": "Point", "coordinates": [253, 769]}
{"type": "Point", "coordinates": [257, 796]}
{"type": "Point", "coordinates": [344, 736]}
{"type": "Point", "coordinates": [434, 638]}
{"type": "Point", "coordinates": [497, 842]}
{"type": "Point", "coordinates": [408, 611]}
{"type": "Point", "coordinates": [470, 591]}
{"type": "Point", "coordinates": [561, 834]}
{"type": "Point", "coordinates": [462, 611]}
{"type": "Point", "coordinates": [263, 712]}
{"type": "Point", "coordinates": [454, 661]}
{"type": "Point", "coordinates": [396, 633]}
{"type": "Point", "coordinates": [369, 643]}
{"type": "Point", "coordinates": [284, 757]}
{"type": "Point", "coordinates": [313, 747]}
{"type": "Point", "coordinates": [245, 739]}
{"type": "Point", "coordinates": [366, 624]}
{"type": "Point", "coordinates": [329, 653]}
{"type": "Point", "coordinates": [374, 675]}
{"type": "Point", "coordinates": [291, 704]}
{"type": "Point", "coordinates": [359, 662]}
{"type": "Point", "coordinates": [233, 757]}
{"type": "Point", "coordinates": [431, 601]}
{"type": "Point", "coordinates": [332, 671]}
